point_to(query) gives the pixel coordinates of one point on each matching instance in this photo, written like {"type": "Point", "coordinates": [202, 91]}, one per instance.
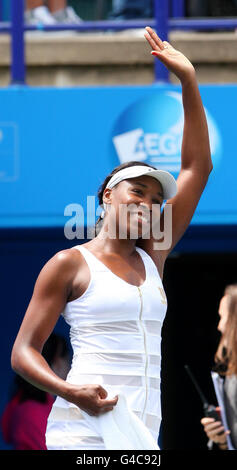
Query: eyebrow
{"type": "Point", "coordinates": [145, 186]}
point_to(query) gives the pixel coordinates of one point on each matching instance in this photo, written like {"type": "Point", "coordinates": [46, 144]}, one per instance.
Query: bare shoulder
{"type": "Point", "coordinates": [64, 264]}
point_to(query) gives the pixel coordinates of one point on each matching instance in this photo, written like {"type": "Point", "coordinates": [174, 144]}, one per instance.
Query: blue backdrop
{"type": "Point", "coordinates": [57, 146]}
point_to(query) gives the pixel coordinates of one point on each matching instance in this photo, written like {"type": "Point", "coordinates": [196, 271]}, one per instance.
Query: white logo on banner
{"type": "Point", "coordinates": [161, 149]}
{"type": "Point", "coordinates": [9, 150]}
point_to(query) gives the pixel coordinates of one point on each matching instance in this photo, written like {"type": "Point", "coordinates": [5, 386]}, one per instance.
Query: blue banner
{"type": "Point", "coordinates": [58, 145]}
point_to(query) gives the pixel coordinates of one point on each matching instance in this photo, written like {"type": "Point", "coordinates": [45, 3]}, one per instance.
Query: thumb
{"type": "Point", "coordinates": [162, 57]}
{"type": "Point", "coordinates": [156, 53]}
{"type": "Point", "coordinates": [102, 392]}
{"type": "Point", "coordinates": [111, 401]}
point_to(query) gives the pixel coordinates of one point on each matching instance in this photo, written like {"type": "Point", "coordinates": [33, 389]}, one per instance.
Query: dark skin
{"type": "Point", "coordinates": [66, 276]}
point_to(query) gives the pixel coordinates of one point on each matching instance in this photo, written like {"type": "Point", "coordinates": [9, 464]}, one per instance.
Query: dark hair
{"type": "Point", "coordinates": [102, 187]}
{"type": "Point", "coordinates": [55, 345]}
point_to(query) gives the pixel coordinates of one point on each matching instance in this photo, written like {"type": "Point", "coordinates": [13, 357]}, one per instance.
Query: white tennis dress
{"type": "Point", "coordinates": [115, 332]}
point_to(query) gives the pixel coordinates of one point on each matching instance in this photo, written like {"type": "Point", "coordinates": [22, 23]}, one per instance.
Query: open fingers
{"type": "Point", "coordinates": [155, 38]}
{"type": "Point", "coordinates": [152, 43]}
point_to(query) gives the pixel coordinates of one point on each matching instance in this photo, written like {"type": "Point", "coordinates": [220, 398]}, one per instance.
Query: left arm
{"type": "Point", "coordinates": [196, 163]}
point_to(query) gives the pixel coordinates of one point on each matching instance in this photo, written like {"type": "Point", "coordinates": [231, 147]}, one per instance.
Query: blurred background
{"type": "Point", "coordinates": [79, 94]}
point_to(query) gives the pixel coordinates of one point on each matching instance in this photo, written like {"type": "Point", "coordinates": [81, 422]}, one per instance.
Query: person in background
{"type": "Point", "coordinates": [50, 12]}
{"type": "Point", "coordinates": [197, 8]}
{"type": "Point", "coordinates": [211, 8]}
{"type": "Point", "coordinates": [25, 417]}
{"type": "Point", "coordinates": [135, 9]}
{"type": "Point", "coordinates": [226, 366]}
{"type": "Point", "coordinates": [131, 9]}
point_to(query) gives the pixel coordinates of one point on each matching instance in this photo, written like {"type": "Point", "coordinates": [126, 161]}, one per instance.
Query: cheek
{"type": "Point", "coordinates": [156, 210]}
{"type": "Point", "coordinates": [121, 202]}
{"type": "Point", "coordinates": [120, 197]}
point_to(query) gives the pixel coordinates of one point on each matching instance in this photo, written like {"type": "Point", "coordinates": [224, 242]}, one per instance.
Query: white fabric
{"type": "Point", "coordinates": [165, 178]}
{"type": "Point", "coordinates": [121, 429]}
{"type": "Point", "coordinates": [115, 333]}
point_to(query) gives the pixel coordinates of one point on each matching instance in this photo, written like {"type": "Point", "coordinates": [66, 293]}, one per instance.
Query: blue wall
{"type": "Point", "coordinates": [6, 10]}
{"type": "Point", "coordinates": [57, 146]}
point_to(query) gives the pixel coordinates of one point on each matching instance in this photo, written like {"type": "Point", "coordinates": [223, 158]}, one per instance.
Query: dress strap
{"type": "Point", "coordinates": [94, 264]}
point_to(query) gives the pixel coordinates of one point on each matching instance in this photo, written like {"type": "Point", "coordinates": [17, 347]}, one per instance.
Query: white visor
{"type": "Point", "coordinates": [165, 178]}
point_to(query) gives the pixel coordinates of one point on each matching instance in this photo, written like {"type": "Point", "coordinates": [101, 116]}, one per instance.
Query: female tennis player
{"type": "Point", "coordinates": [110, 292]}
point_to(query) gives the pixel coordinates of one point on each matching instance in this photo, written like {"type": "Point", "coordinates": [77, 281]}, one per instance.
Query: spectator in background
{"type": "Point", "coordinates": [226, 366]}
{"type": "Point", "coordinates": [197, 8]}
{"type": "Point", "coordinates": [211, 7]}
{"type": "Point", "coordinates": [131, 9]}
{"type": "Point", "coordinates": [25, 417]}
{"type": "Point", "coordinates": [50, 12]}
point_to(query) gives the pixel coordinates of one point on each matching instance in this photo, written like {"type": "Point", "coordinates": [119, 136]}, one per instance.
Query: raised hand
{"type": "Point", "coordinates": [174, 60]}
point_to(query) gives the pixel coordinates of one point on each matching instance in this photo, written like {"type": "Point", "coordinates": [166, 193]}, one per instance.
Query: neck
{"type": "Point", "coordinates": [123, 247]}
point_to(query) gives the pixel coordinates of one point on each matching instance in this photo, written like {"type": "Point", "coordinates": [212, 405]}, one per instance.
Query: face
{"type": "Point", "coordinates": [223, 314]}
{"type": "Point", "coordinates": [136, 203]}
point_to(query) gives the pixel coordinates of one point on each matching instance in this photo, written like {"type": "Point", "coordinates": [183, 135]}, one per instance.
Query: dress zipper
{"type": "Point", "coordinates": [144, 337]}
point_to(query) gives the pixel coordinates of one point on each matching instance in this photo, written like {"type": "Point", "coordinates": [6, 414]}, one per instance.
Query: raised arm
{"type": "Point", "coordinates": [196, 163]}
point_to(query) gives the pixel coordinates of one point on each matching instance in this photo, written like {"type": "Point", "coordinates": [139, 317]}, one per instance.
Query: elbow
{"type": "Point", "coordinates": [16, 360]}
{"type": "Point", "coordinates": [207, 173]}
{"type": "Point", "coordinates": [210, 164]}
{"type": "Point", "coordinates": [204, 172]}
{"type": "Point", "coordinates": [210, 167]}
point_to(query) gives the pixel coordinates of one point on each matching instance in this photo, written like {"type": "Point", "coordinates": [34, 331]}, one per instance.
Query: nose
{"type": "Point", "coordinates": [149, 206]}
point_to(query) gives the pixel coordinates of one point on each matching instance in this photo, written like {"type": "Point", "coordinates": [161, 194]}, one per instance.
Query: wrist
{"type": "Point", "coordinates": [189, 78]}
{"type": "Point", "coordinates": [72, 393]}
{"type": "Point", "coordinates": [68, 391]}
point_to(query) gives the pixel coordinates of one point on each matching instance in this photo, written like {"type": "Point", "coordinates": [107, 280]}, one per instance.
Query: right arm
{"type": "Point", "coordinates": [49, 298]}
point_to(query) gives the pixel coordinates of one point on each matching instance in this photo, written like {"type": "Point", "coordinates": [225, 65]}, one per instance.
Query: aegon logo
{"type": "Point", "coordinates": [151, 130]}
{"type": "Point", "coordinates": [162, 149]}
